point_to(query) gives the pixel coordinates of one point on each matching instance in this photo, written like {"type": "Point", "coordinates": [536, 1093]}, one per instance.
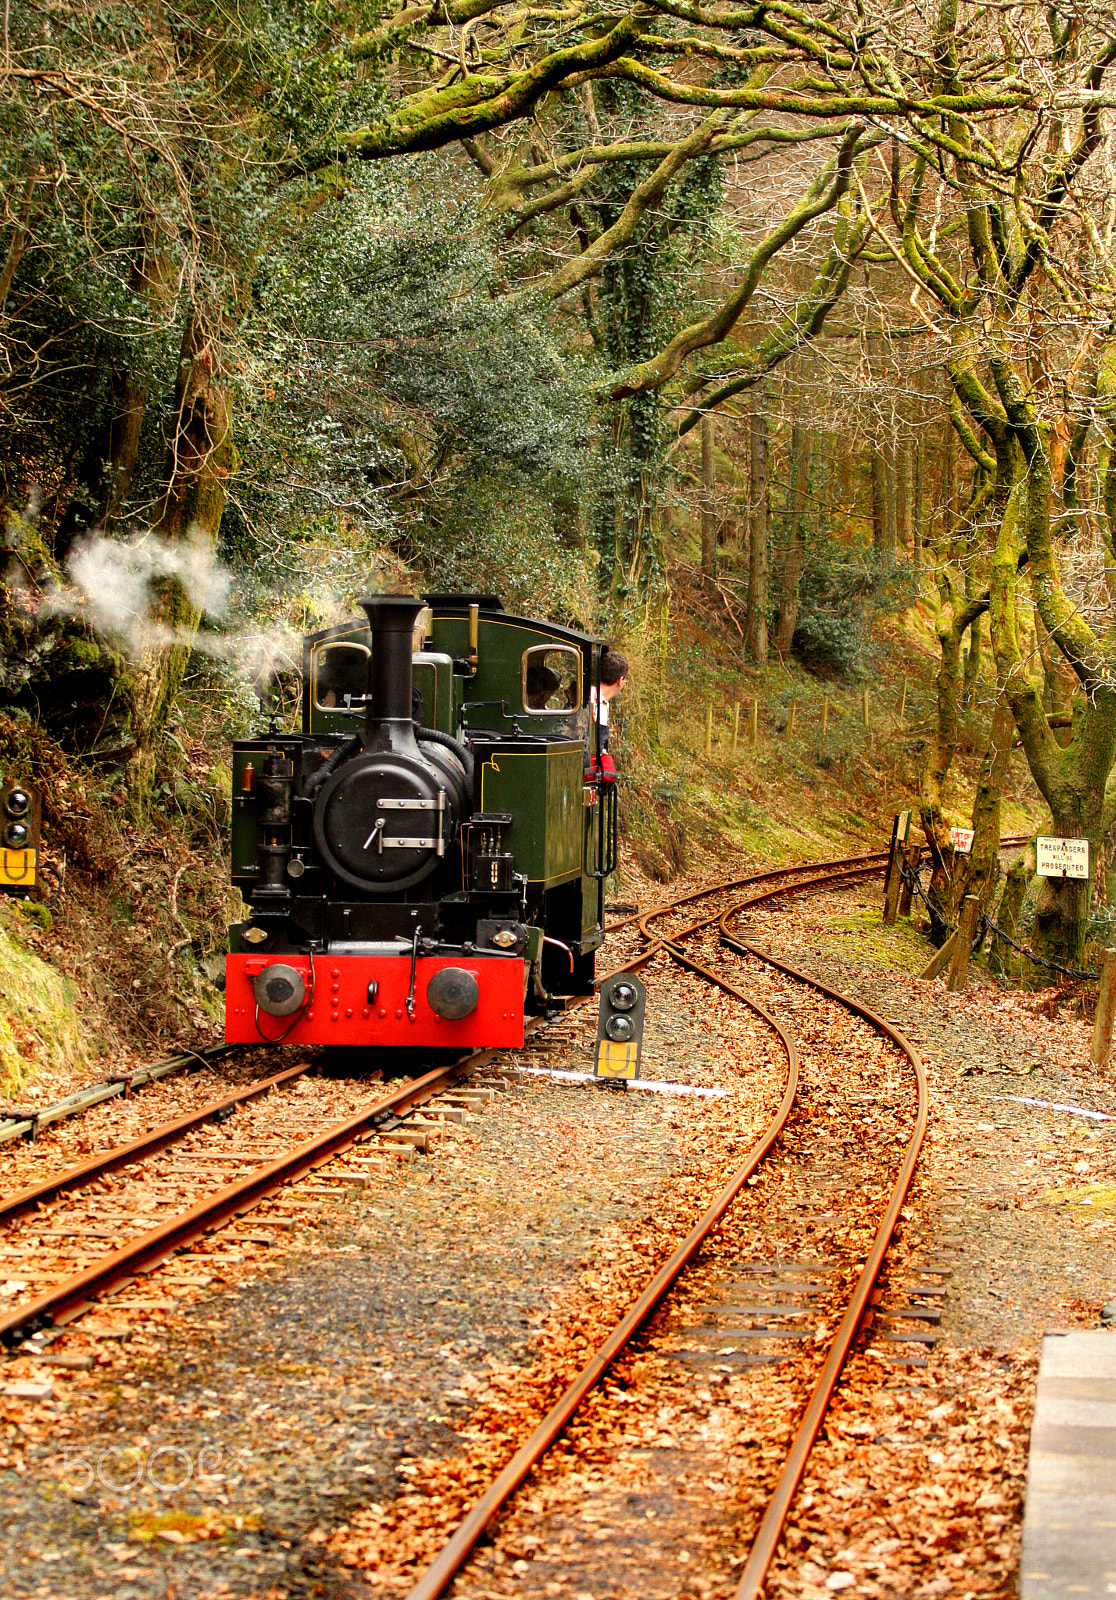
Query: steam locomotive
{"type": "Point", "coordinates": [425, 861]}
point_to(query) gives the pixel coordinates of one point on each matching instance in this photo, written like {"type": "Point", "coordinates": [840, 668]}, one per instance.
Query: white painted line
{"type": "Point", "coordinates": [652, 1085]}
{"type": "Point", "coordinates": [1053, 1105]}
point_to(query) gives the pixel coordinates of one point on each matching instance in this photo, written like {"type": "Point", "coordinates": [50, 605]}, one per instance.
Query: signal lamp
{"type": "Point", "coordinates": [620, 1027]}
{"type": "Point", "coordinates": [19, 838]}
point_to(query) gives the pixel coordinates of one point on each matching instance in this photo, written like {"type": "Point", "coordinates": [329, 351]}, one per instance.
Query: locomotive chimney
{"type": "Point", "coordinates": [388, 721]}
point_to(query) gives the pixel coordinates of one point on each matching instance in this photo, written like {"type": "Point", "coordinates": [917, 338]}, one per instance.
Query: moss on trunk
{"type": "Point", "coordinates": [1002, 958]}
{"type": "Point", "coordinates": [982, 870]}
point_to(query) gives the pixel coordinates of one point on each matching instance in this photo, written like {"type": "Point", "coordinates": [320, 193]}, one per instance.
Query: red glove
{"type": "Point", "coordinates": [602, 770]}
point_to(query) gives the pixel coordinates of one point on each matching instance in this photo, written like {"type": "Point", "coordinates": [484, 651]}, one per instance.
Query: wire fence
{"type": "Point", "coordinates": [986, 925]}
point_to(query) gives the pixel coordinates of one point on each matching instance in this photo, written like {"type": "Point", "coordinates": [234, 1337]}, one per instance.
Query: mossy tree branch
{"type": "Point", "coordinates": [825, 193]}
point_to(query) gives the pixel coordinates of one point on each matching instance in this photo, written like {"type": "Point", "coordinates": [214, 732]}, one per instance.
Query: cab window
{"type": "Point", "coordinates": [340, 670]}
{"type": "Point", "coordinates": [551, 679]}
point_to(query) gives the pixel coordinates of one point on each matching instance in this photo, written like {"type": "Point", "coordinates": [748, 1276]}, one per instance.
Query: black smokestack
{"type": "Point", "coordinates": [391, 619]}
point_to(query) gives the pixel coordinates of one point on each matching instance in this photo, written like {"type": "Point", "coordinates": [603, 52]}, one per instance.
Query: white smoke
{"type": "Point", "coordinates": [115, 582]}
{"type": "Point", "coordinates": [112, 584]}
{"type": "Point", "coordinates": [113, 588]}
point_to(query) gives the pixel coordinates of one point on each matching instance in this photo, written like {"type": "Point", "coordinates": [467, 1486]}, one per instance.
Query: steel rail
{"type": "Point", "coordinates": [66, 1299]}
{"type": "Point", "coordinates": [878, 857]}
{"type": "Point", "coordinates": [458, 1548]}
{"type": "Point", "coordinates": [456, 1551]}
{"type": "Point", "coordinates": [778, 1508]}
{"type": "Point", "coordinates": [874, 857]}
{"type": "Point", "coordinates": [846, 874]}
{"type": "Point", "coordinates": [148, 1144]}
{"type": "Point", "coordinates": [25, 1123]}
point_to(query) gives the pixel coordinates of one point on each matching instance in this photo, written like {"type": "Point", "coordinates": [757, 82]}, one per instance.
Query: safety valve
{"type": "Point", "coordinates": [620, 1027]}
{"type": "Point", "coordinates": [19, 838]}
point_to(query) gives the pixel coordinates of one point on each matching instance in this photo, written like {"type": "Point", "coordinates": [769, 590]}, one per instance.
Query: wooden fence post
{"type": "Point", "coordinates": [735, 723]}
{"type": "Point", "coordinates": [903, 701]}
{"type": "Point", "coordinates": [709, 729]}
{"type": "Point", "coordinates": [940, 958]}
{"type": "Point", "coordinates": [754, 727]}
{"type": "Point", "coordinates": [959, 965]}
{"type": "Point", "coordinates": [894, 889]}
{"type": "Point", "coordinates": [911, 855]}
{"type": "Point", "coordinates": [825, 722]}
{"type": "Point", "coordinates": [891, 877]}
{"type": "Point", "coordinates": [1106, 1007]}
{"type": "Point", "coordinates": [790, 719]}
{"type": "Point", "coordinates": [867, 713]}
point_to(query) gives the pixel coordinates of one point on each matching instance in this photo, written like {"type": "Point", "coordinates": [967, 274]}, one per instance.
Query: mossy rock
{"type": "Point", "coordinates": [39, 1025]}
{"type": "Point", "coordinates": [39, 915]}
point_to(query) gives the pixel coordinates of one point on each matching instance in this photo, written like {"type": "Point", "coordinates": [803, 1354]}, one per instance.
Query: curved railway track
{"type": "Point", "coordinates": [729, 904]}
{"type": "Point", "coordinates": [778, 1508]}
{"type": "Point", "coordinates": [670, 931]}
{"type": "Point", "coordinates": [63, 1294]}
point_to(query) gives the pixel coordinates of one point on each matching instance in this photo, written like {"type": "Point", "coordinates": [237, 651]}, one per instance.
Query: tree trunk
{"type": "Point", "coordinates": [190, 517]}
{"type": "Point", "coordinates": [982, 870]}
{"type": "Point", "coordinates": [129, 410]}
{"type": "Point", "coordinates": [1072, 779]}
{"type": "Point", "coordinates": [153, 276]}
{"type": "Point", "coordinates": [972, 665]}
{"type": "Point", "coordinates": [904, 521]}
{"type": "Point", "coordinates": [917, 530]}
{"type": "Point", "coordinates": [878, 472]}
{"type": "Point", "coordinates": [950, 474]}
{"type": "Point", "coordinates": [708, 498]}
{"type": "Point", "coordinates": [20, 237]}
{"type": "Point", "coordinates": [1055, 696]}
{"type": "Point", "coordinates": [943, 744]}
{"type": "Point", "coordinates": [1072, 782]}
{"type": "Point", "coordinates": [756, 629]}
{"type": "Point", "coordinates": [1016, 884]}
{"type": "Point", "coordinates": [605, 511]}
{"type": "Point", "coordinates": [793, 552]}
{"type": "Point", "coordinates": [956, 615]}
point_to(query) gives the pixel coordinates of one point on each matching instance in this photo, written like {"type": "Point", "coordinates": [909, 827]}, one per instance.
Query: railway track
{"type": "Point", "coordinates": [160, 1209]}
{"type": "Point", "coordinates": [802, 1299]}
{"type": "Point", "coordinates": [669, 933]}
{"type": "Point", "coordinates": [163, 1192]}
{"type": "Point", "coordinates": [29, 1123]}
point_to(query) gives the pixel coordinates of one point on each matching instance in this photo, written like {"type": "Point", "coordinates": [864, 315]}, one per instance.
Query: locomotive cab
{"type": "Point", "coordinates": [425, 860]}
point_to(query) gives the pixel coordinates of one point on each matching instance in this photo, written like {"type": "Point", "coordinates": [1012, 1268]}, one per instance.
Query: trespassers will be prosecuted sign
{"type": "Point", "coordinates": [1062, 858]}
